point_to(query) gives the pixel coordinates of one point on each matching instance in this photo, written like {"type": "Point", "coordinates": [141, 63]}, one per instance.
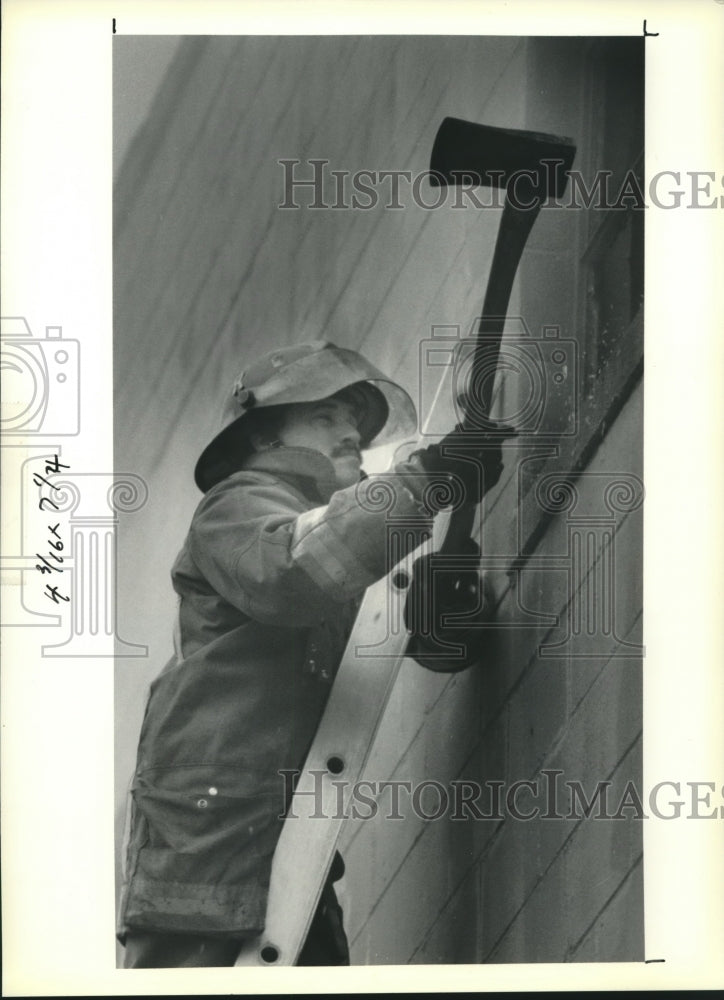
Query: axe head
{"type": "Point", "coordinates": [465, 152]}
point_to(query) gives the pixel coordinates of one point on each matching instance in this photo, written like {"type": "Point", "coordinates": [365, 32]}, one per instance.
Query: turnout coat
{"type": "Point", "coordinates": [269, 581]}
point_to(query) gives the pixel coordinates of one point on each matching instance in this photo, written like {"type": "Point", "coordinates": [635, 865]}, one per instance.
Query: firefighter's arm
{"type": "Point", "coordinates": [264, 552]}
{"type": "Point", "coordinates": [362, 533]}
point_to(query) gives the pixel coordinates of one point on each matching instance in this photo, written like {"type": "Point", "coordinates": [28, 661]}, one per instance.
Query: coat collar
{"type": "Point", "coordinates": [312, 470]}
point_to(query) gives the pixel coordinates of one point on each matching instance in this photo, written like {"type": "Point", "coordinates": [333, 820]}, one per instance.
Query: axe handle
{"type": "Point", "coordinates": [515, 227]}
{"type": "Point", "coordinates": [513, 232]}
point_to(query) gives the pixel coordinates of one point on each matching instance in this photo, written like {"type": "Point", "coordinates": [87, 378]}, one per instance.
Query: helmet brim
{"type": "Point", "coordinates": [390, 413]}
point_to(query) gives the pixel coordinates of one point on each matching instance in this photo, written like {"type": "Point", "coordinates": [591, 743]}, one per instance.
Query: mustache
{"type": "Point", "coordinates": [347, 449]}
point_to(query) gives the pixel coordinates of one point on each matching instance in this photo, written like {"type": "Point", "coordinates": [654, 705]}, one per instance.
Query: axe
{"type": "Point", "coordinates": [531, 167]}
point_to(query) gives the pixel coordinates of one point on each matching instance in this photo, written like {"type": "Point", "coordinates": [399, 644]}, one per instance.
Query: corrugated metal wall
{"type": "Point", "coordinates": [210, 271]}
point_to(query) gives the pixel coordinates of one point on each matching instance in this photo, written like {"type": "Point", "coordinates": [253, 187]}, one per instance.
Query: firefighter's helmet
{"type": "Point", "coordinates": [306, 373]}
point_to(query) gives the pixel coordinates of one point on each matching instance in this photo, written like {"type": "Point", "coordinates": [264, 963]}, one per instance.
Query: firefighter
{"type": "Point", "coordinates": [289, 534]}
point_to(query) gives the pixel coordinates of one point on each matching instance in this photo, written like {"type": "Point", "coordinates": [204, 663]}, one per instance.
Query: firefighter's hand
{"type": "Point", "coordinates": [450, 583]}
{"type": "Point", "coordinates": [467, 460]}
{"type": "Point", "coordinates": [439, 589]}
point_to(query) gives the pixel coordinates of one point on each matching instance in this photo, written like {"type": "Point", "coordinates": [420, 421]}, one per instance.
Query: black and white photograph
{"type": "Point", "coordinates": [352, 504]}
{"type": "Point", "coordinates": [305, 232]}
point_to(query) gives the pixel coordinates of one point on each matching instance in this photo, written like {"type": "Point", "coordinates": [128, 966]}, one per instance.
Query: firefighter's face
{"type": "Point", "coordinates": [329, 426]}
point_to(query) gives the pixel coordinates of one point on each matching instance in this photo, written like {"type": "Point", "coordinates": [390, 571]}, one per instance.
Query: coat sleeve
{"type": "Point", "coordinates": [277, 561]}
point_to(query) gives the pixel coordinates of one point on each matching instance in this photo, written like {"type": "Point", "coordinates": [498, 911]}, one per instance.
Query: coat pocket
{"type": "Point", "coordinates": [205, 819]}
